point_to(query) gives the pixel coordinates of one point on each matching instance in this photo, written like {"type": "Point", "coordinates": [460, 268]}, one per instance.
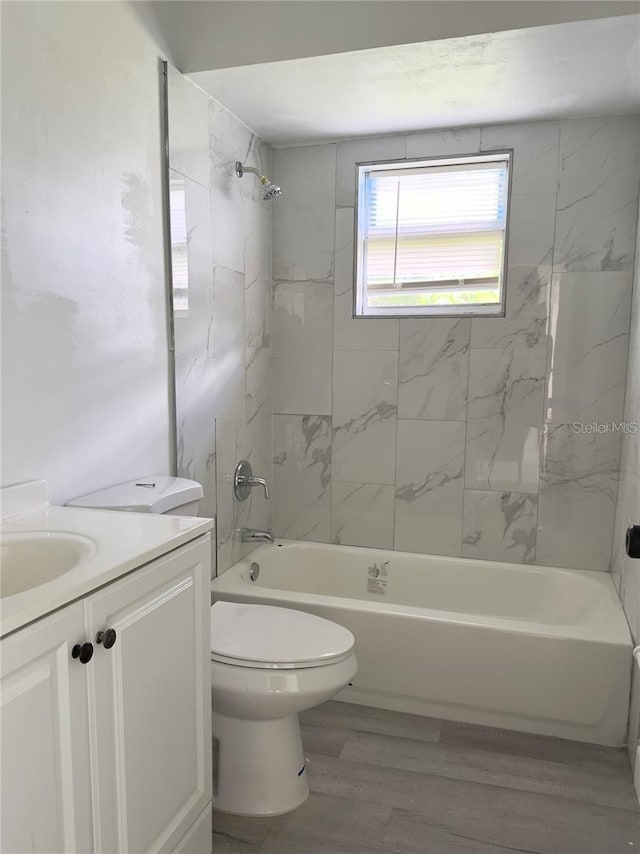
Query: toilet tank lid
{"type": "Point", "coordinates": [155, 494]}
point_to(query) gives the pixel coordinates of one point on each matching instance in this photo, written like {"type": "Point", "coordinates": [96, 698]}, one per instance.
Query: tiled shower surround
{"type": "Point", "coordinates": [459, 436]}
{"type": "Point", "coordinates": [223, 339]}
{"type": "Point", "coordinates": [626, 571]}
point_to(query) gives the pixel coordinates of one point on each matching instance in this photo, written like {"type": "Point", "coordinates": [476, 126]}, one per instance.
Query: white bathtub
{"type": "Point", "coordinates": [527, 648]}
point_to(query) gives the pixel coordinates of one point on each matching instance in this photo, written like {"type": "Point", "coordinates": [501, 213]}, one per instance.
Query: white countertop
{"type": "Point", "coordinates": [123, 541]}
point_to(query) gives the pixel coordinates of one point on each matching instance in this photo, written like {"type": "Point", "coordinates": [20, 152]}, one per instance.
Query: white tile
{"type": "Point", "coordinates": [303, 217]}
{"type": "Point", "coordinates": [230, 141]}
{"type": "Point", "coordinates": [531, 223]}
{"type": "Point", "coordinates": [362, 514]}
{"type": "Point", "coordinates": [227, 238]}
{"type": "Point", "coordinates": [302, 317]}
{"type": "Point", "coordinates": [499, 526]}
{"type": "Point", "coordinates": [625, 570]}
{"type": "Point", "coordinates": [434, 368]}
{"type": "Point", "coordinates": [365, 395]}
{"type": "Point", "coordinates": [362, 151]}
{"type": "Point", "coordinates": [195, 410]}
{"type": "Point", "coordinates": [625, 574]}
{"type": "Point", "coordinates": [365, 447]}
{"type": "Point", "coordinates": [535, 153]}
{"type": "Point", "coordinates": [302, 347]}
{"type": "Point", "coordinates": [504, 420]}
{"type": "Point", "coordinates": [527, 313]}
{"type": "Point", "coordinates": [577, 498]}
{"type": "Point", "coordinates": [233, 445]}
{"type": "Point", "coordinates": [228, 387]}
{"type": "Point", "coordinates": [429, 486]}
{"type": "Point", "coordinates": [589, 334]}
{"type": "Point", "coordinates": [302, 475]}
{"type": "Point", "coordinates": [440, 143]}
{"type": "Point", "coordinates": [354, 333]}
{"type": "Point", "coordinates": [258, 382]}
{"type": "Point", "coordinates": [188, 127]}
{"type": "Point", "coordinates": [230, 446]}
{"type": "Point", "coordinates": [257, 273]}
{"type": "Point", "coordinates": [194, 325]}
{"type": "Point", "coordinates": [259, 447]}
{"type": "Point", "coordinates": [598, 194]}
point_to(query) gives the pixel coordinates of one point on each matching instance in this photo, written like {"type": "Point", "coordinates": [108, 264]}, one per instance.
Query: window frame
{"type": "Point", "coordinates": [409, 312]}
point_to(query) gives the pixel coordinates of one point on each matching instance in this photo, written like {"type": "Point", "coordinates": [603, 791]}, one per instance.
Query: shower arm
{"type": "Point", "coordinates": [241, 169]}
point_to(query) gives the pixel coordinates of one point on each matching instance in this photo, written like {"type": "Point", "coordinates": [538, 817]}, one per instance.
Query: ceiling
{"type": "Point", "coordinates": [571, 69]}
{"type": "Point", "coordinates": [200, 35]}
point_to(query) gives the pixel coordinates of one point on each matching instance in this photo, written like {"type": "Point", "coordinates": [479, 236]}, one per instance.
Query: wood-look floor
{"type": "Point", "coordinates": [400, 784]}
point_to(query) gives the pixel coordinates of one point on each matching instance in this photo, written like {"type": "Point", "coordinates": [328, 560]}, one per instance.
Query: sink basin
{"type": "Point", "coordinates": [30, 560]}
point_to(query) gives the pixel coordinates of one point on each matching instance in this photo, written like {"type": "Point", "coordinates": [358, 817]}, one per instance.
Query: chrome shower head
{"type": "Point", "coordinates": [271, 191]}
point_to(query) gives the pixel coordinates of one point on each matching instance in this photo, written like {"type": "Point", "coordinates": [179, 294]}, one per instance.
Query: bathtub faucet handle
{"type": "Point", "coordinates": [260, 481]}
{"type": "Point", "coordinates": [244, 481]}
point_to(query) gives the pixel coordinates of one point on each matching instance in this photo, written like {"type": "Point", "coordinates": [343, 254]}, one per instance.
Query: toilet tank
{"type": "Point", "coordinates": [175, 496]}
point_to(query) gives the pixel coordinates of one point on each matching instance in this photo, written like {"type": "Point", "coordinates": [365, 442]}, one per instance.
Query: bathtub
{"type": "Point", "coordinates": [533, 649]}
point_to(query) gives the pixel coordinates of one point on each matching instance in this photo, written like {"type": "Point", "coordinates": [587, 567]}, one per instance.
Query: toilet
{"type": "Point", "coordinates": [267, 664]}
{"type": "Point", "coordinates": [175, 496]}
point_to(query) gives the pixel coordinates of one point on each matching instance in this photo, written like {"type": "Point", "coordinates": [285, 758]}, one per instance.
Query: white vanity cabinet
{"type": "Point", "coordinates": [46, 794]}
{"type": "Point", "coordinates": [113, 755]}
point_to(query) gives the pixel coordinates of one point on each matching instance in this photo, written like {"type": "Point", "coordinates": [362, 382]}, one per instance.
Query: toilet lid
{"type": "Point", "coordinates": [263, 636]}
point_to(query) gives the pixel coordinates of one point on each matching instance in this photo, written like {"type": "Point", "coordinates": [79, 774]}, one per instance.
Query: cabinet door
{"type": "Point", "coordinates": [46, 805]}
{"type": "Point", "coordinates": [150, 699]}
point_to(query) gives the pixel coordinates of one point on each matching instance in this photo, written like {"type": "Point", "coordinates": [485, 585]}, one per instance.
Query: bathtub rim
{"type": "Point", "coordinates": [613, 629]}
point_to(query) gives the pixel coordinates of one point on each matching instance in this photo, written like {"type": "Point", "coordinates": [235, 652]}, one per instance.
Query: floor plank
{"type": "Point", "coordinates": [241, 830]}
{"type": "Point", "coordinates": [340, 820]}
{"type": "Point", "coordinates": [595, 783]}
{"type": "Point", "coordinates": [539, 746]}
{"type": "Point", "coordinates": [323, 739]}
{"type": "Point", "coordinates": [349, 716]}
{"type": "Point", "coordinates": [508, 832]}
{"type": "Point", "coordinates": [408, 834]}
{"type": "Point", "coordinates": [227, 845]}
{"type": "Point", "coordinates": [492, 815]}
{"type": "Point", "coordinates": [388, 783]}
{"type": "Point", "coordinates": [299, 844]}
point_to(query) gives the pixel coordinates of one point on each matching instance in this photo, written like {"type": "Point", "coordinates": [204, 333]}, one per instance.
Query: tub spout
{"type": "Point", "coordinates": [249, 535]}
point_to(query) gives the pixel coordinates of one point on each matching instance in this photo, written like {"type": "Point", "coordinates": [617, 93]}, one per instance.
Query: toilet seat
{"type": "Point", "coordinates": [267, 637]}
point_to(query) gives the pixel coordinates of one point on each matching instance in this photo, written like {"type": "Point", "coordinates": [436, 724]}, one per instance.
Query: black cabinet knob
{"type": "Point", "coordinates": [106, 638]}
{"type": "Point", "coordinates": [84, 652]}
{"type": "Point", "coordinates": [632, 541]}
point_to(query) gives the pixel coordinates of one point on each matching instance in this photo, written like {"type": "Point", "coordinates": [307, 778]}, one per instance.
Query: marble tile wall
{"type": "Point", "coordinates": [626, 572]}
{"type": "Point", "coordinates": [223, 340]}
{"type": "Point", "coordinates": [468, 437]}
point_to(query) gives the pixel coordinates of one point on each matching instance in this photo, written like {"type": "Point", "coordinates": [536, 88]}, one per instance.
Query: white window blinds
{"type": "Point", "coordinates": [428, 228]}
{"type": "Point", "coordinates": [179, 241]}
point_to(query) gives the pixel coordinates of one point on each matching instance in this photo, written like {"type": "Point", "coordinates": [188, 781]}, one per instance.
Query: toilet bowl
{"type": "Point", "coordinates": [268, 664]}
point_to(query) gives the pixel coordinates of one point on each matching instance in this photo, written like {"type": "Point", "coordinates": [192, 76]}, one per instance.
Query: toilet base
{"type": "Point", "coordinates": [259, 766]}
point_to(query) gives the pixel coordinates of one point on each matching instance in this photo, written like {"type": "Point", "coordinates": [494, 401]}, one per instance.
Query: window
{"type": "Point", "coordinates": [179, 240]}
{"type": "Point", "coordinates": [432, 236]}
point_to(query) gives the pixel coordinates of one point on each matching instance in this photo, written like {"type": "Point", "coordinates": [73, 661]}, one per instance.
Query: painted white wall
{"type": "Point", "coordinates": [84, 345]}
{"type": "Point", "coordinates": [209, 34]}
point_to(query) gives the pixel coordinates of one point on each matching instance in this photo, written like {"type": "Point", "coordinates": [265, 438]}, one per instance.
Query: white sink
{"type": "Point", "coordinates": [31, 559]}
